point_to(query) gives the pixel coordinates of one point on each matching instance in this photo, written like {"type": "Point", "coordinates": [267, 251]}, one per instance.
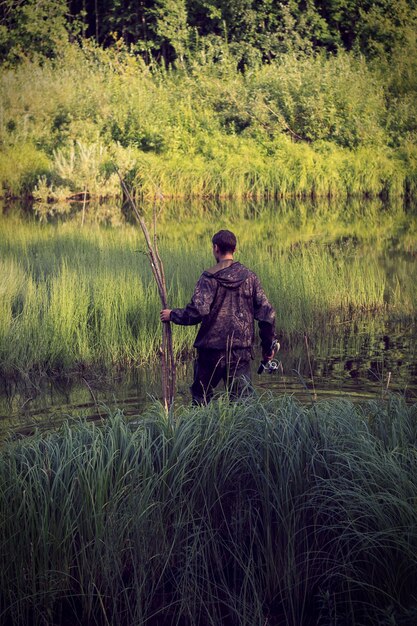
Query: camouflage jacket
{"type": "Point", "coordinates": [226, 300]}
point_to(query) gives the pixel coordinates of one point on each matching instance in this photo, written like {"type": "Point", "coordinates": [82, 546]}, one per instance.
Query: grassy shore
{"type": "Point", "coordinates": [259, 512]}
{"type": "Point", "coordinates": [299, 126]}
{"type": "Point", "coordinates": [83, 297]}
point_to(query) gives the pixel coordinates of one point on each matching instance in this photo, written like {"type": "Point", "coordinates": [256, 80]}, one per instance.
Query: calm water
{"type": "Point", "coordinates": [359, 359]}
{"type": "Point", "coordinates": [353, 362]}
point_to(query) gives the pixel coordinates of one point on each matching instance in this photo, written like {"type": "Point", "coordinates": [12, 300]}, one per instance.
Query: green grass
{"type": "Point", "coordinates": [74, 296]}
{"type": "Point", "coordinates": [206, 130]}
{"type": "Point", "coordinates": [249, 513]}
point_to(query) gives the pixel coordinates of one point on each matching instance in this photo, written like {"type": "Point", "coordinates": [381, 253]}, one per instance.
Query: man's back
{"type": "Point", "coordinates": [227, 299]}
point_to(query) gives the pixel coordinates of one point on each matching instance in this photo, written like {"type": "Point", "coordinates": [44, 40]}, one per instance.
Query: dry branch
{"type": "Point", "coordinates": [167, 351]}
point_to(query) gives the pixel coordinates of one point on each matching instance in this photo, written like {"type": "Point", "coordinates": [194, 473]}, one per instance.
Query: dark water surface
{"type": "Point", "coordinates": [352, 362]}
{"type": "Point", "coordinates": [367, 357]}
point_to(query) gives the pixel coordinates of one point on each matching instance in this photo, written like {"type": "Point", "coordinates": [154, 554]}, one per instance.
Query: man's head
{"type": "Point", "coordinates": [224, 244]}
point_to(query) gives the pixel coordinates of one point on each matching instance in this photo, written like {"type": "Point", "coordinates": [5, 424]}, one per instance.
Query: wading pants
{"type": "Point", "coordinates": [212, 366]}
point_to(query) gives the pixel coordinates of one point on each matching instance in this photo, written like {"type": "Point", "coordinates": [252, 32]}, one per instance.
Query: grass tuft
{"type": "Point", "coordinates": [262, 511]}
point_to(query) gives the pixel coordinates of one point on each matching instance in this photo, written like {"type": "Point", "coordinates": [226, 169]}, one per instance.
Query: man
{"type": "Point", "coordinates": [227, 299]}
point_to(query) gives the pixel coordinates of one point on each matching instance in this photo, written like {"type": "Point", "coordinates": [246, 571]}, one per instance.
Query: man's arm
{"type": "Point", "coordinates": [264, 313]}
{"type": "Point", "coordinates": [200, 304]}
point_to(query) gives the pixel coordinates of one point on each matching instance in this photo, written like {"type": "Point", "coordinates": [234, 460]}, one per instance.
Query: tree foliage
{"type": "Point", "coordinates": [32, 26]}
{"type": "Point", "coordinates": [256, 30]}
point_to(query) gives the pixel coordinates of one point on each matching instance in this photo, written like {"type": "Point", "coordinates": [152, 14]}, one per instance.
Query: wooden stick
{"type": "Point", "coordinates": [153, 259]}
{"type": "Point", "coordinates": [84, 203]}
{"type": "Point", "coordinates": [167, 351]}
{"type": "Point", "coordinates": [166, 337]}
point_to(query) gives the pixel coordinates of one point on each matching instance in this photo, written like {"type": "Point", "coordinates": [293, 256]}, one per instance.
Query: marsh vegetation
{"type": "Point", "coordinates": [294, 124]}
{"type": "Point", "coordinates": [259, 512]}
{"type": "Point", "coordinates": [208, 99]}
{"type": "Point", "coordinates": [82, 297]}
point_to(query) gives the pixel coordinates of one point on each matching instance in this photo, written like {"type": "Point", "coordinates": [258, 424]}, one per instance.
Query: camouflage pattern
{"type": "Point", "coordinates": [226, 300]}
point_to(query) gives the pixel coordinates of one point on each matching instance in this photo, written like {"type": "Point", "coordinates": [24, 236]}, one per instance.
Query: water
{"type": "Point", "coordinates": [365, 357]}
{"type": "Point", "coordinates": [354, 362]}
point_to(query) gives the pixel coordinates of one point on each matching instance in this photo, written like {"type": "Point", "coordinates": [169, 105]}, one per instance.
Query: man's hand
{"type": "Point", "coordinates": [165, 315]}
{"type": "Point", "coordinates": [268, 355]}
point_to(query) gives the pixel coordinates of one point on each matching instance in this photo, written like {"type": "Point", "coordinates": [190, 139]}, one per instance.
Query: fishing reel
{"type": "Point", "coordinates": [270, 366]}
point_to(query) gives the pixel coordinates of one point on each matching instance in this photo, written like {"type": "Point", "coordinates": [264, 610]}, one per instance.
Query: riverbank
{"type": "Point", "coordinates": [264, 510]}
{"type": "Point", "coordinates": [301, 126]}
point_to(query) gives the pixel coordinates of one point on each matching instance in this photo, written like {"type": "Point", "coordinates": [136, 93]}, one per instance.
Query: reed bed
{"type": "Point", "coordinates": [74, 297]}
{"type": "Point", "coordinates": [262, 511]}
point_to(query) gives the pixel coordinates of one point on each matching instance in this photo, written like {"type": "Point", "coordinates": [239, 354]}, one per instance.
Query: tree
{"type": "Point", "coordinates": [30, 27]}
{"type": "Point", "coordinates": [172, 26]}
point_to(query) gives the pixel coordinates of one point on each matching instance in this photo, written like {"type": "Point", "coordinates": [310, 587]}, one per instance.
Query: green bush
{"type": "Point", "coordinates": [333, 98]}
{"type": "Point", "coordinates": [300, 125]}
{"type": "Point", "coordinates": [20, 168]}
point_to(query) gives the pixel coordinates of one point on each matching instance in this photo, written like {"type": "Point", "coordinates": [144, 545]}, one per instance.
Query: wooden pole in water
{"type": "Point", "coordinates": [167, 351]}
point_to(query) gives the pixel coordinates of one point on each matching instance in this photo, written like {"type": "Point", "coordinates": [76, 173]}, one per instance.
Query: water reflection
{"type": "Point", "coordinates": [353, 361]}
{"type": "Point", "coordinates": [298, 220]}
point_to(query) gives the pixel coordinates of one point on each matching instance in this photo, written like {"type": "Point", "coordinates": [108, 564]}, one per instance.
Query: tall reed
{"type": "Point", "coordinates": [261, 511]}
{"type": "Point", "coordinates": [74, 297]}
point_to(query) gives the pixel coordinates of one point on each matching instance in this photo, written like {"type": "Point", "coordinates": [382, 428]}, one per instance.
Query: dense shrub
{"type": "Point", "coordinates": [299, 125]}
